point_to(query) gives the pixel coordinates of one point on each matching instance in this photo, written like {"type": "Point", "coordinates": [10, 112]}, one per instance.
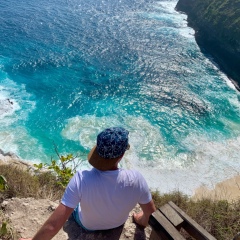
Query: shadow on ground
{"type": "Point", "coordinates": [75, 232]}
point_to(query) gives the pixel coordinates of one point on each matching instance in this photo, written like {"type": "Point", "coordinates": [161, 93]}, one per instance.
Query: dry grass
{"type": "Point", "coordinates": [22, 184]}
{"type": "Point", "coordinates": [219, 217]}
{"type": "Point", "coordinates": [6, 231]}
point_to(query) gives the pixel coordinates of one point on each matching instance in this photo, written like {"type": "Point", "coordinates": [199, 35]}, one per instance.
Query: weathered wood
{"type": "Point", "coordinates": [163, 227]}
{"type": "Point", "coordinates": [155, 235]}
{"type": "Point", "coordinates": [192, 227]}
{"type": "Point", "coordinates": [172, 215]}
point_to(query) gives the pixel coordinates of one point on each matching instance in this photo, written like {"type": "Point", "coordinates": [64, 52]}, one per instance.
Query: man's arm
{"type": "Point", "coordinates": [143, 217]}
{"type": "Point", "coordinates": [54, 223]}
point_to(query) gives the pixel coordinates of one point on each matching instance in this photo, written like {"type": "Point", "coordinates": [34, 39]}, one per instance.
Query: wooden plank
{"type": "Point", "coordinates": [164, 228]}
{"type": "Point", "coordinates": [172, 216]}
{"type": "Point", "coordinates": [159, 235]}
{"type": "Point", "coordinates": [191, 226]}
{"type": "Point", "coordinates": [156, 235]}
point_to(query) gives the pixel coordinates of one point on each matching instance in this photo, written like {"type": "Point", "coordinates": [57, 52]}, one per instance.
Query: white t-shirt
{"type": "Point", "coordinates": [106, 197]}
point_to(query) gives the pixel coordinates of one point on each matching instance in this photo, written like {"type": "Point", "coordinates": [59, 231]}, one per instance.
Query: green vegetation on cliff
{"type": "Point", "coordinates": [222, 16]}
{"type": "Point", "coordinates": [217, 25]}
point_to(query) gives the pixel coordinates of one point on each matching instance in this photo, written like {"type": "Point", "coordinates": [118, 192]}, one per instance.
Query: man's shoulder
{"type": "Point", "coordinates": [132, 172]}
{"type": "Point", "coordinates": [85, 173]}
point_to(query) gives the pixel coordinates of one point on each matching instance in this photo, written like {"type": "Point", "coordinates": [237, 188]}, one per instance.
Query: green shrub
{"type": "Point", "coordinates": [63, 169]}
{"type": "Point", "coordinates": [3, 183]}
{"type": "Point", "coordinates": [6, 231]}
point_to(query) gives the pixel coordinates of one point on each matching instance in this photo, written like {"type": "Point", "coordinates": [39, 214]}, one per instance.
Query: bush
{"type": "Point", "coordinates": [22, 183]}
{"type": "Point", "coordinates": [6, 231]}
{"type": "Point", "coordinates": [63, 169]}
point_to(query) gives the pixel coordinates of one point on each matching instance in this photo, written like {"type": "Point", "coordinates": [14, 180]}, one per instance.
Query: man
{"type": "Point", "coordinates": [101, 198]}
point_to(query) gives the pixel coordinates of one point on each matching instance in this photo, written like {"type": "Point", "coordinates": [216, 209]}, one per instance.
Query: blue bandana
{"type": "Point", "coordinates": [112, 142]}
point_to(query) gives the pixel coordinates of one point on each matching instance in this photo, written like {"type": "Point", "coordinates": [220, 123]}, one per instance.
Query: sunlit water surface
{"type": "Point", "coordinates": [69, 69]}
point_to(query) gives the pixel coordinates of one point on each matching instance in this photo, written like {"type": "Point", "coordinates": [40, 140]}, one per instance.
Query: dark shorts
{"type": "Point", "coordinates": [76, 218]}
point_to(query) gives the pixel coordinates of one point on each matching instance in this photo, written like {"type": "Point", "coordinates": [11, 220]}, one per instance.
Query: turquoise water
{"type": "Point", "coordinates": [68, 69]}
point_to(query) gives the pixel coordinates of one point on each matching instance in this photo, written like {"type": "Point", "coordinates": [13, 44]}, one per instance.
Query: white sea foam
{"type": "Point", "coordinates": [215, 66]}
{"type": "Point", "coordinates": [7, 105]}
{"type": "Point", "coordinates": [18, 141]}
{"type": "Point", "coordinates": [208, 163]}
{"type": "Point", "coordinates": [14, 98]}
{"type": "Point", "coordinates": [205, 161]}
{"type": "Point", "coordinates": [228, 81]}
{"type": "Point", "coordinates": [168, 13]}
{"type": "Point", "coordinates": [187, 32]}
{"type": "Point", "coordinates": [166, 6]}
{"type": "Point", "coordinates": [15, 105]}
{"type": "Point", "coordinates": [7, 142]}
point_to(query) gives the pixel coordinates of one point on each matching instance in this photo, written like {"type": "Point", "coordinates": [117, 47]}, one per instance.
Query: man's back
{"type": "Point", "coordinates": [106, 193]}
{"type": "Point", "coordinates": [106, 197]}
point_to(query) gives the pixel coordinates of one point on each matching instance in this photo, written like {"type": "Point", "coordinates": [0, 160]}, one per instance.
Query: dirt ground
{"type": "Point", "coordinates": [28, 214]}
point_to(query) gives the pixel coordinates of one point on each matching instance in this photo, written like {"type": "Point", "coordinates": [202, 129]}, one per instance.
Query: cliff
{"type": "Point", "coordinates": [217, 26]}
{"type": "Point", "coordinates": [28, 214]}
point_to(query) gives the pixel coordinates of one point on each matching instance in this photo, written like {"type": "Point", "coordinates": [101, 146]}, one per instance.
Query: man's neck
{"type": "Point", "coordinates": [113, 169]}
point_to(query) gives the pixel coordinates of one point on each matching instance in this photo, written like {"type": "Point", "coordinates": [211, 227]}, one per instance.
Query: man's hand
{"type": "Point", "coordinates": [25, 238]}
{"type": "Point", "coordinates": [138, 218]}
{"type": "Point", "coordinates": [142, 218]}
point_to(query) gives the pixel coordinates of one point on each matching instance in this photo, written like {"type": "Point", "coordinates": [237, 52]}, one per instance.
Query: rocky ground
{"type": "Point", "coordinates": [28, 214]}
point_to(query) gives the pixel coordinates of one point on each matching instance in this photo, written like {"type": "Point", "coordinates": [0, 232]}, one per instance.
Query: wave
{"type": "Point", "coordinates": [197, 158]}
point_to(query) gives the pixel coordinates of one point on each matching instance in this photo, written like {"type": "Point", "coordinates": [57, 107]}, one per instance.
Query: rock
{"type": "Point", "coordinates": [4, 204]}
{"type": "Point", "coordinates": [13, 159]}
{"type": "Point", "coordinates": [217, 31]}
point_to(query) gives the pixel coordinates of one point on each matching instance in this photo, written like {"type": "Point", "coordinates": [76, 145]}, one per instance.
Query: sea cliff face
{"type": "Point", "coordinates": [217, 26]}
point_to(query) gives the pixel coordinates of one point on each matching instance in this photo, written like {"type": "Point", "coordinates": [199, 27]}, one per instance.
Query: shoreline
{"type": "Point", "coordinates": [235, 83]}
{"type": "Point", "coordinates": [228, 189]}
{"type": "Point", "coordinates": [11, 158]}
{"type": "Point", "coordinates": [216, 39]}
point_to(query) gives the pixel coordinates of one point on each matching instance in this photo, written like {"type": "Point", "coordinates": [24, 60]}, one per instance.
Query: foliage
{"type": "Point", "coordinates": [6, 231]}
{"type": "Point", "coordinates": [221, 18]}
{"type": "Point", "coordinates": [3, 183]}
{"type": "Point", "coordinates": [22, 183]}
{"type": "Point", "coordinates": [63, 169]}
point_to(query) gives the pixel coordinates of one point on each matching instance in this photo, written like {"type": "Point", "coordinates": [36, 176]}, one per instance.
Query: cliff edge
{"type": "Point", "coordinates": [217, 26]}
{"type": "Point", "coordinates": [28, 214]}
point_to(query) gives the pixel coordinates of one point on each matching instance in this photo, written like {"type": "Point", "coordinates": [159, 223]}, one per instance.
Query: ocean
{"type": "Point", "coordinates": [70, 68]}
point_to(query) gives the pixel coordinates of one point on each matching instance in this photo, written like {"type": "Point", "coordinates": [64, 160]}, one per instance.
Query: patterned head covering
{"type": "Point", "coordinates": [111, 144]}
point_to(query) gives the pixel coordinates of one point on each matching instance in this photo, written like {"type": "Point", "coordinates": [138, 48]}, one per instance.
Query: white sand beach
{"type": "Point", "coordinates": [228, 189]}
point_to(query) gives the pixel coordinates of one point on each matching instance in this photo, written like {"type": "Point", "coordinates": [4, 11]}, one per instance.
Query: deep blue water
{"type": "Point", "coordinates": [70, 68]}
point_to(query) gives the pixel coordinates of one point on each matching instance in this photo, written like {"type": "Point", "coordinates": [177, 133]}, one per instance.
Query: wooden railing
{"type": "Point", "coordinates": [167, 221]}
